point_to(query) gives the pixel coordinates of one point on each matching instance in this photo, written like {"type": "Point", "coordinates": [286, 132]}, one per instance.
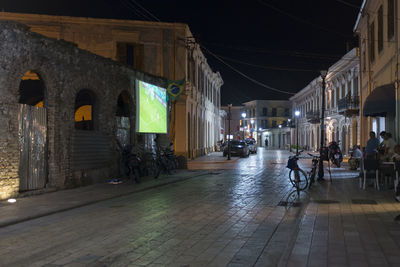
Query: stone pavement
{"type": "Point", "coordinates": [212, 161]}
{"type": "Point", "coordinates": [30, 207]}
{"type": "Point", "coordinates": [232, 217]}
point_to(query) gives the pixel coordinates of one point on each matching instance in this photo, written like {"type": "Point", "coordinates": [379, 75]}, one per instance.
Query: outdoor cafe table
{"type": "Point", "coordinates": [386, 165]}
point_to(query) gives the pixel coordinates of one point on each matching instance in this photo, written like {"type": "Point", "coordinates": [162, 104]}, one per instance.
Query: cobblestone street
{"type": "Point", "coordinates": [229, 217]}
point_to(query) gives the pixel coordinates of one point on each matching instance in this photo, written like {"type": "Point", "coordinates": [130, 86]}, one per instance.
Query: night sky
{"type": "Point", "coordinates": [288, 41]}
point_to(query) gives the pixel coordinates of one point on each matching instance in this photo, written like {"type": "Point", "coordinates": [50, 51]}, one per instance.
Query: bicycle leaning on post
{"type": "Point", "coordinates": [297, 176]}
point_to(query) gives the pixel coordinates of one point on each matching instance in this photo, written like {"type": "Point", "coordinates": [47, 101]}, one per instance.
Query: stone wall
{"type": "Point", "coordinates": [65, 70]}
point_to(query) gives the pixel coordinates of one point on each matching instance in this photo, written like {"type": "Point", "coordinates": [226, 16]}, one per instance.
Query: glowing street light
{"type": "Point", "coordinates": [297, 114]}
{"type": "Point", "coordinates": [243, 116]}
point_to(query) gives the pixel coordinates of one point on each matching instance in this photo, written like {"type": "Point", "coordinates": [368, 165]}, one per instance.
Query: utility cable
{"type": "Point", "coordinates": [266, 67]}
{"type": "Point", "coordinates": [348, 4]}
{"type": "Point", "coordinates": [246, 76]}
{"type": "Point", "coordinates": [137, 12]}
{"type": "Point", "coordinates": [145, 10]}
{"type": "Point", "coordinates": [300, 19]}
{"type": "Point", "coordinates": [317, 57]}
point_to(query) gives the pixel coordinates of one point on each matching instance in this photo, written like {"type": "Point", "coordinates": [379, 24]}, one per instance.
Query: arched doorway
{"type": "Point", "coordinates": [344, 140]}
{"type": "Point", "coordinates": [32, 133]}
{"type": "Point", "coordinates": [123, 118]}
{"type": "Point", "coordinates": [354, 133]}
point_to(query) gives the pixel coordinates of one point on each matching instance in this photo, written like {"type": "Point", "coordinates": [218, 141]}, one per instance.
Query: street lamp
{"type": "Point", "coordinates": [322, 126]}
{"type": "Point", "coordinates": [297, 114]}
{"type": "Point", "coordinates": [229, 129]}
{"type": "Point", "coordinates": [280, 127]}
{"type": "Point", "coordinates": [243, 116]}
{"type": "Point", "coordinates": [251, 127]}
{"type": "Point", "coordinates": [290, 137]}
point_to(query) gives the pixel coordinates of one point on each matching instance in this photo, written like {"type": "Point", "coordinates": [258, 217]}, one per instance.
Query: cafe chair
{"type": "Point", "coordinates": [370, 165]}
{"type": "Point", "coordinates": [397, 169]}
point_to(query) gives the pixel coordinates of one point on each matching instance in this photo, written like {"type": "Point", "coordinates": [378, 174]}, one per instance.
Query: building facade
{"type": "Point", "coordinates": [342, 109]}
{"type": "Point", "coordinates": [260, 120]}
{"type": "Point", "coordinates": [378, 29]}
{"type": "Point", "coordinates": [163, 49]}
{"type": "Point", "coordinates": [232, 127]}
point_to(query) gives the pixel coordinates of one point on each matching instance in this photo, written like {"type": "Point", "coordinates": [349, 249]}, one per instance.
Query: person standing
{"type": "Point", "coordinates": [372, 145]}
{"type": "Point", "coordinates": [266, 142]}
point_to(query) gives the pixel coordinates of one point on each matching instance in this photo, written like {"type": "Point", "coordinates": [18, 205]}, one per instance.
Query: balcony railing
{"type": "Point", "coordinates": [350, 105]}
{"type": "Point", "coordinates": [313, 117]}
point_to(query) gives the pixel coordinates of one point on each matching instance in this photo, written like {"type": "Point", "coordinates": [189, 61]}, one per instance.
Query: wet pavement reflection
{"type": "Point", "coordinates": [233, 216]}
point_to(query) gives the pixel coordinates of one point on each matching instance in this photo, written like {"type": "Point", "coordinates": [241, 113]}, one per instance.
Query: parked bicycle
{"type": "Point", "coordinates": [312, 173]}
{"type": "Point", "coordinates": [131, 163]}
{"type": "Point", "coordinates": [298, 177]}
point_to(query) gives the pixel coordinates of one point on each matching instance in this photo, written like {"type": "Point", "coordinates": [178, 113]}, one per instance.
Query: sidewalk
{"type": "Point", "coordinates": [27, 208]}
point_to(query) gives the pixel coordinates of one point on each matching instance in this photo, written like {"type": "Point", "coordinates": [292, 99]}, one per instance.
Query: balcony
{"type": "Point", "coordinates": [313, 117]}
{"type": "Point", "coordinates": [349, 106]}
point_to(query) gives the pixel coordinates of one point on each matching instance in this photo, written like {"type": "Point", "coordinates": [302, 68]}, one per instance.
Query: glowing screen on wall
{"type": "Point", "coordinates": [151, 108]}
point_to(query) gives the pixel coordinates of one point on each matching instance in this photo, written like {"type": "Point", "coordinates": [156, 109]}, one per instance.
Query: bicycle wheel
{"type": "Point", "coordinates": [303, 181]}
{"type": "Point", "coordinates": [312, 176]}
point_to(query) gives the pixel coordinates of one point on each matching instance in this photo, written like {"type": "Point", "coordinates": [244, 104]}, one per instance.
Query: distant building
{"type": "Point", "coordinates": [234, 123]}
{"type": "Point", "coordinates": [261, 117]}
{"type": "Point", "coordinates": [267, 115]}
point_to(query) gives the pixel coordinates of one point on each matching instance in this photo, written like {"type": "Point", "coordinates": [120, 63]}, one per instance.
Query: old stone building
{"type": "Point", "coordinates": [43, 84]}
{"type": "Point", "coordinates": [164, 49]}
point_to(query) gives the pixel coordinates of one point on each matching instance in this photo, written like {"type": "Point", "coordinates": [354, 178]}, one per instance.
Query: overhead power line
{"type": "Point", "coordinates": [134, 10]}
{"type": "Point", "coordinates": [300, 54]}
{"type": "Point", "coordinates": [301, 19]}
{"type": "Point", "coordinates": [266, 67]}
{"type": "Point", "coordinates": [145, 10]}
{"type": "Point", "coordinates": [348, 4]}
{"type": "Point", "coordinates": [244, 75]}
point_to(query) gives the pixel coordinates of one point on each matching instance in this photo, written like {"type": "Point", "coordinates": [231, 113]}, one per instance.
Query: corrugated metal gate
{"type": "Point", "coordinates": [33, 147]}
{"type": "Point", "coordinates": [123, 130]}
{"type": "Point", "coordinates": [90, 149]}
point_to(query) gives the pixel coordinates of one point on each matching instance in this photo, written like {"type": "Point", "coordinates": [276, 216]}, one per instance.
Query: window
{"type": "Point", "coordinates": [254, 112]}
{"type": "Point", "coordinates": [84, 110]}
{"type": "Point", "coordinates": [273, 123]}
{"type": "Point", "coordinates": [372, 42]}
{"type": "Point", "coordinates": [265, 112]}
{"type": "Point", "coordinates": [31, 90]}
{"type": "Point", "coordinates": [287, 112]}
{"type": "Point", "coordinates": [390, 19]}
{"type": "Point", "coordinates": [348, 88]}
{"type": "Point", "coordinates": [355, 87]}
{"type": "Point", "coordinates": [380, 29]}
{"type": "Point", "coordinates": [363, 59]}
{"type": "Point", "coordinates": [274, 112]}
{"type": "Point", "coordinates": [130, 54]}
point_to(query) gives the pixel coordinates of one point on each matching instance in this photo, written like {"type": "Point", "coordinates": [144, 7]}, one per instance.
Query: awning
{"type": "Point", "coordinates": [380, 102]}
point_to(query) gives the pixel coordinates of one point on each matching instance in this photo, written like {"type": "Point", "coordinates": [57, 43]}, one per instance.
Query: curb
{"type": "Point", "coordinates": [16, 221]}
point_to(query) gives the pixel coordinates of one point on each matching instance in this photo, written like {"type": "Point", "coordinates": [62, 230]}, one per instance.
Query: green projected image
{"type": "Point", "coordinates": [152, 108]}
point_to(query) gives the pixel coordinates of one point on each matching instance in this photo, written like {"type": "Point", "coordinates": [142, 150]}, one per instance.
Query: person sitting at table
{"type": "Point", "coordinates": [372, 145]}
{"type": "Point", "coordinates": [355, 158]}
{"type": "Point", "coordinates": [386, 147]}
{"type": "Point", "coordinates": [396, 155]}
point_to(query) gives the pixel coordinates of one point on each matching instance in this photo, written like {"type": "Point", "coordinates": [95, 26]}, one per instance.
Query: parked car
{"type": "Point", "coordinates": [252, 146]}
{"type": "Point", "coordinates": [238, 148]}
